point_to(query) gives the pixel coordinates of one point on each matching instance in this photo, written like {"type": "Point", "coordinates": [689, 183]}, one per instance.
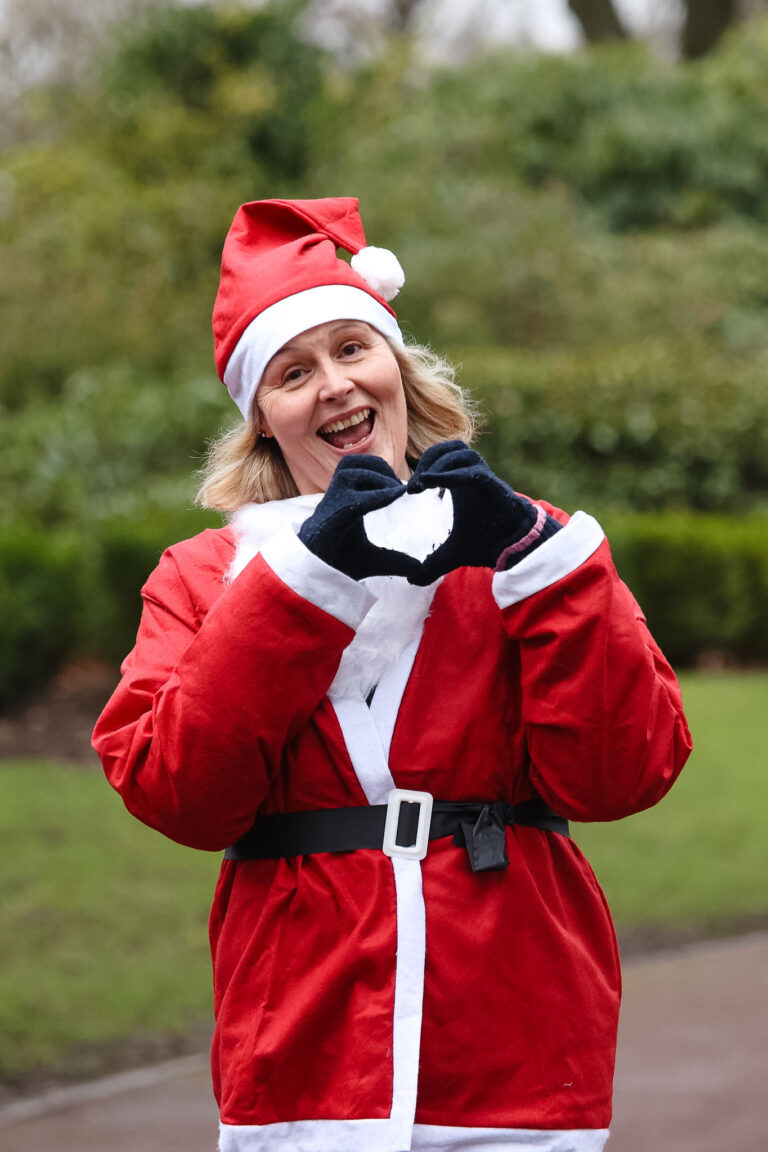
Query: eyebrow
{"type": "Point", "coordinates": [291, 349]}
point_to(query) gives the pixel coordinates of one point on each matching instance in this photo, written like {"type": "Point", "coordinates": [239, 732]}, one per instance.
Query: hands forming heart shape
{"type": "Point", "coordinates": [489, 518]}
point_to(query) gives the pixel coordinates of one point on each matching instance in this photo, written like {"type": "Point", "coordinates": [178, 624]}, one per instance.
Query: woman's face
{"type": "Point", "coordinates": [334, 391]}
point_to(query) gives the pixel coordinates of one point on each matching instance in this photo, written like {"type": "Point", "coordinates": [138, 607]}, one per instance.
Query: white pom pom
{"type": "Point", "coordinates": [381, 269]}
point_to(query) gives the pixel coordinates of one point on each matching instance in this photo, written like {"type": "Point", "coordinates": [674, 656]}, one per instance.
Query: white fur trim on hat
{"type": "Point", "coordinates": [279, 323]}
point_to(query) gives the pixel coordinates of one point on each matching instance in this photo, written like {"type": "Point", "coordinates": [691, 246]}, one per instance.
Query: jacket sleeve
{"type": "Point", "coordinates": [602, 710]}
{"type": "Point", "coordinates": [195, 729]}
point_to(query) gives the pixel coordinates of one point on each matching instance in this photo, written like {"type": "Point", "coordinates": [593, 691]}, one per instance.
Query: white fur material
{"type": "Point", "coordinates": [412, 524]}
{"type": "Point", "coordinates": [385, 1136]}
{"type": "Point", "coordinates": [315, 581]}
{"type": "Point", "coordinates": [437, 1138]}
{"type": "Point", "coordinates": [381, 269]}
{"type": "Point", "coordinates": [254, 524]}
{"type": "Point", "coordinates": [394, 620]}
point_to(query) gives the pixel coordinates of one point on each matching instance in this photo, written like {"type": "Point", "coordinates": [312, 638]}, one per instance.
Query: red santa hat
{"type": "Point", "coordinates": [280, 275]}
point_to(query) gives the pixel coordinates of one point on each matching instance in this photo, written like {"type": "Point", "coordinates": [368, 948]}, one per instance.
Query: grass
{"type": "Point", "coordinates": [103, 921]}
{"type": "Point", "coordinates": [699, 859]}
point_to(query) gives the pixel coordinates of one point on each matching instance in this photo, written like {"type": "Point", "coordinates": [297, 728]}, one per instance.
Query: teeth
{"type": "Point", "coordinates": [340, 425]}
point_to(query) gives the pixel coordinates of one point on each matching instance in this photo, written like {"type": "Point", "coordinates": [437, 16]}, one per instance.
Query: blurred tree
{"type": "Point", "coordinates": [702, 25]}
{"type": "Point", "coordinates": [357, 33]}
{"type": "Point", "coordinates": [598, 20]}
{"type": "Point", "coordinates": [402, 14]}
{"type": "Point", "coordinates": [215, 74]}
{"type": "Point", "coordinates": [705, 21]}
{"type": "Point", "coordinates": [52, 43]}
{"type": "Point", "coordinates": [112, 213]}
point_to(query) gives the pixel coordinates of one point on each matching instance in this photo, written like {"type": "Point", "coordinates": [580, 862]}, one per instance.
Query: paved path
{"type": "Point", "coordinates": [692, 1069]}
{"type": "Point", "coordinates": [692, 1072]}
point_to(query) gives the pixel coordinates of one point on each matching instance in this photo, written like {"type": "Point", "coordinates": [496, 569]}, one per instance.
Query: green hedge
{"type": "Point", "coordinates": [128, 550]}
{"type": "Point", "coordinates": [64, 596]}
{"type": "Point", "coordinates": [643, 426]}
{"type": "Point", "coordinates": [701, 580]}
{"type": "Point", "coordinates": [40, 596]}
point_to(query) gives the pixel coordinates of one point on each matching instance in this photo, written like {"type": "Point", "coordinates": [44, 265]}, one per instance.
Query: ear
{"type": "Point", "coordinates": [264, 428]}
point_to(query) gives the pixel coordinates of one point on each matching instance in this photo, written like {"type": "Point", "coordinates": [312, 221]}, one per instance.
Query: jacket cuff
{"type": "Point", "coordinates": [557, 557]}
{"type": "Point", "coordinates": [316, 581]}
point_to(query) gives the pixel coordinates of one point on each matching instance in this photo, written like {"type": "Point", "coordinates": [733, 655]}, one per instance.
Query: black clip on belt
{"type": "Point", "coordinates": [401, 827]}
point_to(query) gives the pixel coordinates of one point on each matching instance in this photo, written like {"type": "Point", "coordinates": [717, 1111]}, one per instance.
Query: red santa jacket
{"type": "Point", "coordinates": [369, 1004]}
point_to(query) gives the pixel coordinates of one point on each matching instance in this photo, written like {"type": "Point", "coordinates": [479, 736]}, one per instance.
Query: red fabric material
{"type": "Point", "coordinates": [276, 248]}
{"type": "Point", "coordinates": [221, 711]}
{"type": "Point", "coordinates": [194, 735]}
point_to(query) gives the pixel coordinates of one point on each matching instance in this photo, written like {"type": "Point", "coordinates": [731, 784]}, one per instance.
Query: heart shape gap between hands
{"type": "Point", "coordinates": [414, 523]}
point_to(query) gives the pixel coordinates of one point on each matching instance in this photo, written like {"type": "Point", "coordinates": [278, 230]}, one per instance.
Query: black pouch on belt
{"type": "Point", "coordinates": [486, 840]}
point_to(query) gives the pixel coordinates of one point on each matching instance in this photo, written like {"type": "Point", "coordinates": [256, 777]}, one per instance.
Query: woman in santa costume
{"type": "Point", "coordinates": [384, 688]}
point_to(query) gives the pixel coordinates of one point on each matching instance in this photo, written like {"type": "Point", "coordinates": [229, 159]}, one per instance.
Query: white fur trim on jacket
{"type": "Point", "coordinates": [376, 1136]}
{"type": "Point", "coordinates": [557, 557]}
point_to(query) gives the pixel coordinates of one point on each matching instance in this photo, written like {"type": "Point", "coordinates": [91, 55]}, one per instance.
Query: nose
{"type": "Point", "coordinates": [334, 380]}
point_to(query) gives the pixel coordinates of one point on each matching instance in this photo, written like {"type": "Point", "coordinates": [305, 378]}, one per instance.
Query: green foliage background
{"type": "Point", "coordinates": [586, 235]}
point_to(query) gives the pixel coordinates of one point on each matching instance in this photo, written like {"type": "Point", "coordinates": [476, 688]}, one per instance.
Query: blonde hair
{"type": "Point", "coordinates": [244, 467]}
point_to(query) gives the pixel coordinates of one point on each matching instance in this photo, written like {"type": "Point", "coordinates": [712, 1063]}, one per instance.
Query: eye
{"type": "Point", "coordinates": [293, 375]}
{"type": "Point", "coordinates": [350, 348]}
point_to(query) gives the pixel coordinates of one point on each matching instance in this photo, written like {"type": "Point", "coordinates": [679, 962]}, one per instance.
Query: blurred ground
{"type": "Point", "coordinates": [57, 724]}
{"type": "Point", "coordinates": [693, 1049]}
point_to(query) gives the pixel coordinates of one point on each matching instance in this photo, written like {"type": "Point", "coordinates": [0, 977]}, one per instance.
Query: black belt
{"type": "Point", "coordinates": [477, 826]}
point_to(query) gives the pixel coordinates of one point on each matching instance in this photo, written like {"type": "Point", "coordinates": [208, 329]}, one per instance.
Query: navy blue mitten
{"type": "Point", "coordinates": [335, 531]}
{"type": "Point", "coordinates": [493, 527]}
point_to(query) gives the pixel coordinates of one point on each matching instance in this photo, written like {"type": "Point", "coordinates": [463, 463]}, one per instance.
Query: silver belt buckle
{"type": "Point", "coordinates": [399, 796]}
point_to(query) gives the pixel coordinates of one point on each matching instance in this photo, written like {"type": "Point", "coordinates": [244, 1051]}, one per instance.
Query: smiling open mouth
{"type": "Point", "coordinates": [350, 432]}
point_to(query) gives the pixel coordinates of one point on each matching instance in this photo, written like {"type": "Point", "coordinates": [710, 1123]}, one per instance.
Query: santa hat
{"type": "Point", "coordinates": [280, 275]}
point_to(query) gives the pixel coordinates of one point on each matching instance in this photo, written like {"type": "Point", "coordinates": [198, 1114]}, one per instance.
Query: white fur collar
{"type": "Point", "coordinates": [413, 524]}
{"type": "Point", "coordinates": [254, 524]}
